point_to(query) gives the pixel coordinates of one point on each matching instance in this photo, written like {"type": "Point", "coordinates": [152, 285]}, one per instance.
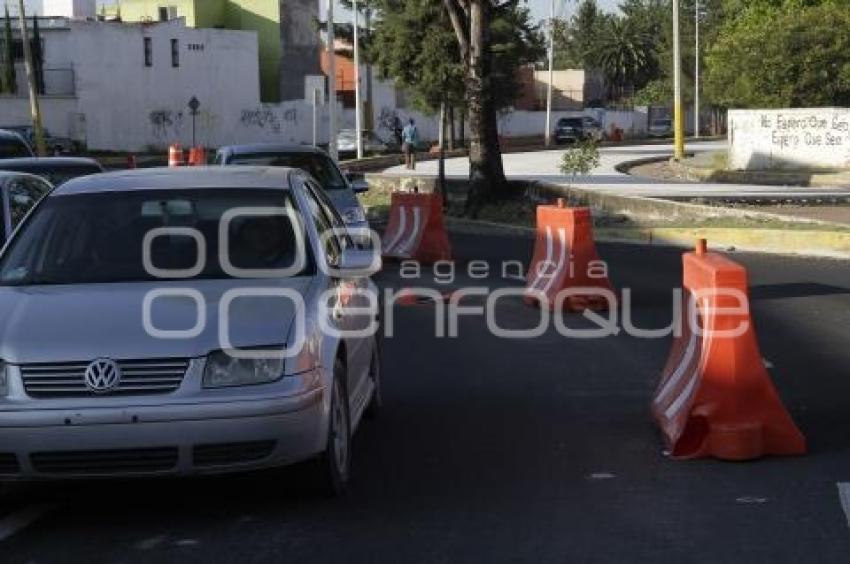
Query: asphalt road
{"type": "Point", "coordinates": [493, 450]}
{"type": "Point", "coordinates": [544, 165]}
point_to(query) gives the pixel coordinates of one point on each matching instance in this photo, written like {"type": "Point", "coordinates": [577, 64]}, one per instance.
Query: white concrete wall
{"type": "Point", "coordinates": [790, 138]}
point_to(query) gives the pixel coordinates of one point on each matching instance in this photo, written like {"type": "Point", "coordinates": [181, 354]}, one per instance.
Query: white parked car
{"type": "Point", "coordinates": [181, 321]}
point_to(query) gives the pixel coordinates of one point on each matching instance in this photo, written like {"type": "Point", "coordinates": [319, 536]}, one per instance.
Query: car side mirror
{"type": "Point", "coordinates": [359, 263]}
{"type": "Point", "coordinates": [359, 186]}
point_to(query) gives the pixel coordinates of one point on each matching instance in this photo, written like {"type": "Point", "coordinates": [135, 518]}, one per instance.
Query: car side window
{"type": "Point", "coordinates": [340, 231]}
{"type": "Point", "coordinates": [24, 193]}
{"type": "Point", "coordinates": [329, 242]}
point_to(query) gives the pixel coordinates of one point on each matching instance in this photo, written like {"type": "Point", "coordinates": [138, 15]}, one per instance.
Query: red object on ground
{"type": "Point", "coordinates": [175, 155]}
{"type": "Point", "coordinates": [565, 266]}
{"type": "Point", "coordinates": [416, 230]}
{"type": "Point", "coordinates": [716, 397]}
{"type": "Point", "coordinates": [131, 160]}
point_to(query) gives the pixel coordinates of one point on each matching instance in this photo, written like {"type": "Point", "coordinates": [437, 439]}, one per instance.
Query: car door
{"type": "Point", "coordinates": [349, 291]}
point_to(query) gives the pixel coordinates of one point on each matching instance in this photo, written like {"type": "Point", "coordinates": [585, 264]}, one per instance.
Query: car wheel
{"type": "Point", "coordinates": [377, 401]}
{"type": "Point", "coordinates": [335, 462]}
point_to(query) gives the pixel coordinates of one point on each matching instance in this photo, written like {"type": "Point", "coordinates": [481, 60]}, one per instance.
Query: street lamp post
{"type": "Point", "coordinates": [332, 148]}
{"type": "Point", "coordinates": [35, 110]}
{"type": "Point", "coordinates": [679, 125]}
{"type": "Point", "coordinates": [696, 70]}
{"type": "Point", "coordinates": [548, 132]}
{"type": "Point", "coordinates": [358, 109]}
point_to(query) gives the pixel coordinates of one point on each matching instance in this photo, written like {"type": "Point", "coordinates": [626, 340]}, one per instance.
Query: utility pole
{"type": "Point", "coordinates": [332, 148]}
{"type": "Point", "coordinates": [548, 133]}
{"type": "Point", "coordinates": [358, 106]}
{"type": "Point", "coordinates": [316, 97]}
{"type": "Point", "coordinates": [696, 71]}
{"type": "Point", "coordinates": [679, 125]}
{"type": "Point", "coordinates": [35, 110]}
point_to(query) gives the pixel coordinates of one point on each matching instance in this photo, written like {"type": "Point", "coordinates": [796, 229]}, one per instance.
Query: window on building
{"type": "Point", "coordinates": [148, 52]}
{"type": "Point", "coordinates": [175, 53]}
{"type": "Point", "coordinates": [167, 13]}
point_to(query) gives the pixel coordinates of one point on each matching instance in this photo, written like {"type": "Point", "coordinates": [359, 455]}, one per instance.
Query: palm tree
{"type": "Point", "coordinates": [624, 54]}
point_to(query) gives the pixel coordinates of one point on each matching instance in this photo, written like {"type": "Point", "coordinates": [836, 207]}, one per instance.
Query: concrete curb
{"type": "Point", "coordinates": [829, 244]}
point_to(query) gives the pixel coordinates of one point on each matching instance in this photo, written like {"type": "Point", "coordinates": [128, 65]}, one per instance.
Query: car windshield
{"type": "Point", "coordinates": [317, 165]}
{"type": "Point", "coordinates": [570, 122]}
{"type": "Point", "coordinates": [12, 148]}
{"type": "Point", "coordinates": [100, 237]}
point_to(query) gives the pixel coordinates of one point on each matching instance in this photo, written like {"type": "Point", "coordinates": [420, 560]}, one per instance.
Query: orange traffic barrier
{"type": "Point", "coordinates": [175, 155]}
{"type": "Point", "coordinates": [131, 160]}
{"type": "Point", "coordinates": [565, 261]}
{"type": "Point", "coordinates": [716, 397]}
{"type": "Point", "coordinates": [197, 156]}
{"type": "Point", "coordinates": [416, 230]}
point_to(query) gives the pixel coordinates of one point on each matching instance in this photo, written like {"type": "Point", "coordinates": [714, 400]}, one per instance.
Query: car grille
{"type": "Point", "coordinates": [105, 461]}
{"type": "Point", "coordinates": [231, 453]}
{"type": "Point", "coordinates": [8, 464]}
{"type": "Point", "coordinates": [138, 377]}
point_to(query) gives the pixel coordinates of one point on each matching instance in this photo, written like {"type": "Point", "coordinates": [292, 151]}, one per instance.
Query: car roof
{"type": "Point", "coordinates": [271, 148]}
{"type": "Point", "coordinates": [42, 163]}
{"type": "Point", "coordinates": [180, 178]}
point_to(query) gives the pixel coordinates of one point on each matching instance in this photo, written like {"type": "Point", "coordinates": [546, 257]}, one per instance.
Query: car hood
{"type": "Point", "coordinates": [86, 321]}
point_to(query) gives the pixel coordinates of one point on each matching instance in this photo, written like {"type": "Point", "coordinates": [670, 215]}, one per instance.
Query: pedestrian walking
{"type": "Point", "coordinates": [410, 140]}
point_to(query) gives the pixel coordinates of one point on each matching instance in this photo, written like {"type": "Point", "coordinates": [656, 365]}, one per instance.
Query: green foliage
{"type": "Point", "coordinates": [414, 43]}
{"type": "Point", "coordinates": [783, 54]}
{"type": "Point", "coordinates": [580, 159]}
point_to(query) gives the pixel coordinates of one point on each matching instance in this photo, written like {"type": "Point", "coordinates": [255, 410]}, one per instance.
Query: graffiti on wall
{"type": "Point", "coordinates": [166, 124]}
{"type": "Point", "coordinates": [262, 118]}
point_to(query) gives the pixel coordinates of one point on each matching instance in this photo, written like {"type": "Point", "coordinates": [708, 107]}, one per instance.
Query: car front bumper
{"type": "Point", "coordinates": [173, 439]}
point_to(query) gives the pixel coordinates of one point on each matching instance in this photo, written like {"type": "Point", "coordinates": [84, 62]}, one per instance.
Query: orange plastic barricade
{"type": "Point", "coordinates": [197, 156]}
{"type": "Point", "coordinates": [565, 257]}
{"type": "Point", "coordinates": [131, 160]}
{"type": "Point", "coordinates": [416, 230]}
{"type": "Point", "coordinates": [716, 397]}
{"type": "Point", "coordinates": [175, 155]}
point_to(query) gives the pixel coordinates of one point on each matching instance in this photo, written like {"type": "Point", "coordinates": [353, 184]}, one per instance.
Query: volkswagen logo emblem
{"type": "Point", "coordinates": [102, 375]}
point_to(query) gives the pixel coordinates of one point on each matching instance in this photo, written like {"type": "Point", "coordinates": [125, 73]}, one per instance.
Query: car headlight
{"type": "Point", "coordinates": [4, 383]}
{"type": "Point", "coordinates": [223, 370]}
{"type": "Point", "coordinates": [353, 215]}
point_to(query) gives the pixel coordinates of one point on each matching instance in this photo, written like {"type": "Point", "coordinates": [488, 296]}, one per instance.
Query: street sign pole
{"type": "Point", "coordinates": [548, 133]}
{"type": "Point", "coordinates": [679, 125]}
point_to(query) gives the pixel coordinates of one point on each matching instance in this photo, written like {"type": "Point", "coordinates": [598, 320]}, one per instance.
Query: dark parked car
{"type": "Point", "coordinates": [13, 146]}
{"type": "Point", "coordinates": [579, 128]}
{"type": "Point", "coordinates": [54, 145]}
{"type": "Point", "coordinates": [57, 170]}
{"type": "Point", "coordinates": [339, 187]}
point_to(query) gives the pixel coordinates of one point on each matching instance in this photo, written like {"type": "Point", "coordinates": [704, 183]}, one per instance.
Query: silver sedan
{"type": "Point", "coordinates": [184, 321]}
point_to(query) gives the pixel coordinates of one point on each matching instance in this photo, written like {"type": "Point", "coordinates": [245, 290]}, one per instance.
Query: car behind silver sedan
{"type": "Point", "coordinates": [181, 321]}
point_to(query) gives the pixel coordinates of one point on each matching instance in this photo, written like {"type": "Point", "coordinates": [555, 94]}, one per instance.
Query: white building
{"type": "Point", "coordinates": [127, 86]}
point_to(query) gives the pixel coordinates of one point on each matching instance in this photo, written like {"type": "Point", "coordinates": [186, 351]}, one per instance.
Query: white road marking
{"type": "Point", "coordinates": [748, 499]}
{"type": "Point", "coordinates": [844, 498]}
{"type": "Point", "coordinates": [602, 476]}
{"type": "Point", "coordinates": [22, 519]}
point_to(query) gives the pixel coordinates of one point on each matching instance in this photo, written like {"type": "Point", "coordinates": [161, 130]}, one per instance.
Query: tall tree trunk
{"type": "Point", "coordinates": [450, 118]}
{"type": "Point", "coordinates": [486, 174]}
